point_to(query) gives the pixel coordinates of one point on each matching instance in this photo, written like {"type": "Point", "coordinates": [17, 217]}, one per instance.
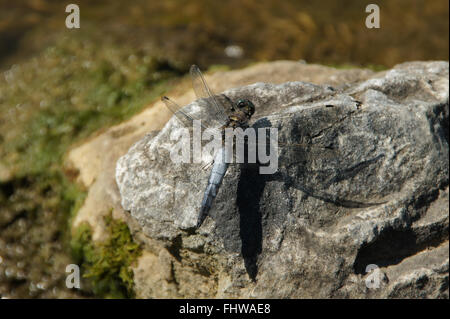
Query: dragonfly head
{"type": "Point", "coordinates": [246, 106]}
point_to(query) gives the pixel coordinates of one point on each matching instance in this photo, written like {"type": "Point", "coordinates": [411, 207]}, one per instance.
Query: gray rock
{"type": "Point", "coordinates": [368, 185]}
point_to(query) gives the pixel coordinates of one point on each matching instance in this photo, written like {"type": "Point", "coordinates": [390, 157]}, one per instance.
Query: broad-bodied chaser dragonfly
{"type": "Point", "coordinates": [236, 115]}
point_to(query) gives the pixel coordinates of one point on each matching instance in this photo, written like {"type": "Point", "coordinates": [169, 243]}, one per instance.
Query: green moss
{"type": "Point", "coordinates": [71, 90]}
{"type": "Point", "coordinates": [107, 264]}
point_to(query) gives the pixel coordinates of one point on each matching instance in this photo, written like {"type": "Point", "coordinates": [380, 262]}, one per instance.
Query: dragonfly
{"type": "Point", "coordinates": [222, 113]}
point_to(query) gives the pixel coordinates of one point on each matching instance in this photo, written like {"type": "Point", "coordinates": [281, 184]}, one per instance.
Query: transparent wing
{"type": "Point", "coordinates": [305, 152]}
{"type": "Point", "coordinates": [185, 119]}
{"type": "Point", "coordinates": [295, 149]}
{"type": "Point", "coordinates": [216, 111]}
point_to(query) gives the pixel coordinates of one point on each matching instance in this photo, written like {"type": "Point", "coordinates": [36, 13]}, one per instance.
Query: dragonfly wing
{"type": "Point", "coordinates": [185, 119]}
{"type": "Point", "coordinates": [217, 111]}
{"type": "Point", "coordinates": [307, 152]}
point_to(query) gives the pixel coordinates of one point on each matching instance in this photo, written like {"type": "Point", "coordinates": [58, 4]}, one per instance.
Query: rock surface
{"type": "Point", "coordinates": [369, 187]}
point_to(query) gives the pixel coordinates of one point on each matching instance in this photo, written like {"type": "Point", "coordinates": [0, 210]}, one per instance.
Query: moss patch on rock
{"type": "Point", "coordinates": [106, 264]}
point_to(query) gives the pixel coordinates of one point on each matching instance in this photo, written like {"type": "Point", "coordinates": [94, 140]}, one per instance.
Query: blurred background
{"type": "Point", "coordinates": [186, 31]}
{"type": "Point", "coordinates": [58, 86]}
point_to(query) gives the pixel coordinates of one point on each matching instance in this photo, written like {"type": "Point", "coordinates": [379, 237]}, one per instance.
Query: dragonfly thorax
{"type": "Point", "coordinates": [241, 114]}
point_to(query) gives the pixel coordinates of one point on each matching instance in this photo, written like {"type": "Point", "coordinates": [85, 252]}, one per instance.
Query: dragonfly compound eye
{"type": "Point", "coordinates": [246, 106]}
{"type": "Point", "coordinates": [242, 103]}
